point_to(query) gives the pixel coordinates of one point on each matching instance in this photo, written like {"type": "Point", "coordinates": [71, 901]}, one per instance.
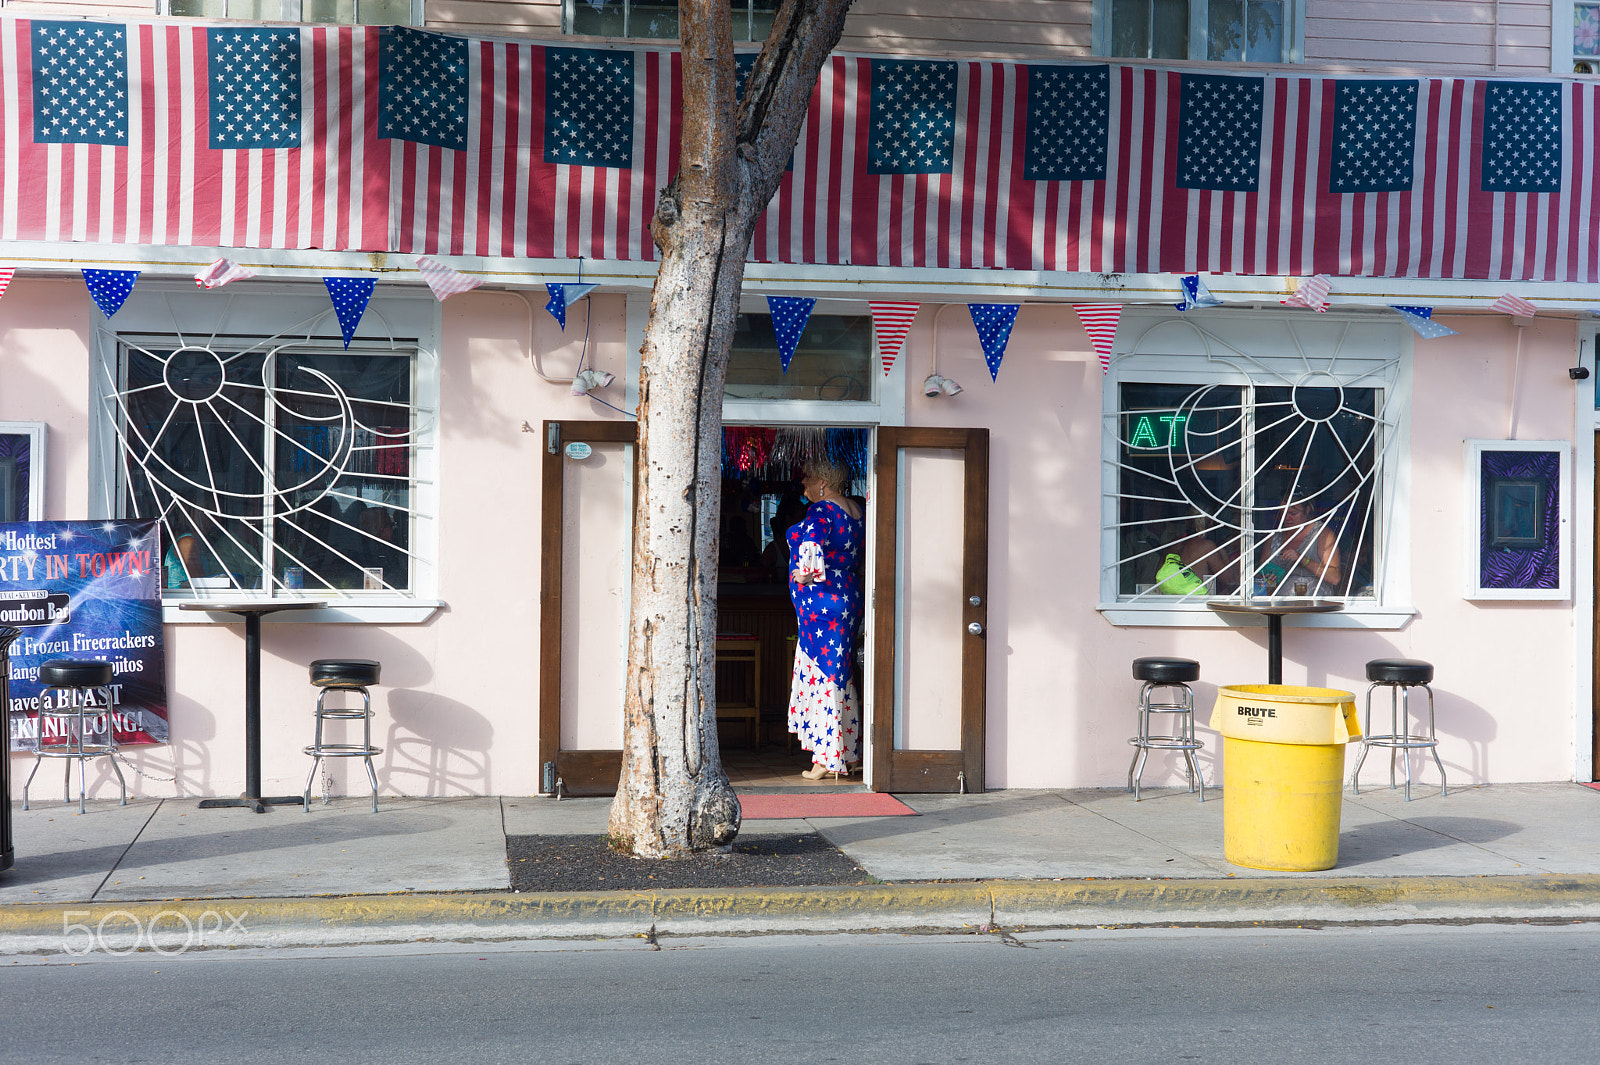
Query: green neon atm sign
{"type": "Point", "coordinates": [1154, 430]}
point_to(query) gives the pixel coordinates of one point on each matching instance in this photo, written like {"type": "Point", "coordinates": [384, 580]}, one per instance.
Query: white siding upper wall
{"type": "Point", "coordinates": [1511, 36]}
{"type": "Point", "coordinates": [1443, 35]}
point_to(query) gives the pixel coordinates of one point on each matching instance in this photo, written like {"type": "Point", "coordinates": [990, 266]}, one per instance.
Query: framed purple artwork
{"type": "Point", "coordinates": [1518, 532]}
{"type": "Point", "coordinates": [22, 478]}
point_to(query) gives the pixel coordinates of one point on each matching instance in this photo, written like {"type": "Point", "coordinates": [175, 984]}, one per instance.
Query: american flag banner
{"type": "Point", "coordinates": [411, 141]}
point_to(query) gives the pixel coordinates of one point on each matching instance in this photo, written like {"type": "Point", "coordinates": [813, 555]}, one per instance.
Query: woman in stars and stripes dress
{"type": "Point", "coordinates": [825, 585]}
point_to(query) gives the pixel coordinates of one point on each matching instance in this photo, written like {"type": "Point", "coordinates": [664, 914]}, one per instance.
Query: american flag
{"type": "Point", "coordinates": [440, 144]}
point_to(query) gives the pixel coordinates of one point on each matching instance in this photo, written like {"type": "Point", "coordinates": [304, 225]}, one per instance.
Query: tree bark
{"type": "Point", "coordinates": [673, 797]}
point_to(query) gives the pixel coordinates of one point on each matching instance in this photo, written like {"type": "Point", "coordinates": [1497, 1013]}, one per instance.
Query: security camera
{"type": "Point", "coordinates": [1578, 373]}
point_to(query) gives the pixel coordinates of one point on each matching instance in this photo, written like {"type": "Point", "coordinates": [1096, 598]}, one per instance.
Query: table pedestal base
{"type": "Point", "coordinates": [259, 805]}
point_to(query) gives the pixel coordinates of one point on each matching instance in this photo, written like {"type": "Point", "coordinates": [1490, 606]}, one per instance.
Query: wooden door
{"type": "Point", "coordinates": [930, 609]}
{"type": "Point", "coordinates": [586, 550]}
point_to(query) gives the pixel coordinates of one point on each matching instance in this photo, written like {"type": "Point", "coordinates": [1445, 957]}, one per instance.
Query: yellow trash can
{"type": "Point", "coordinates": [1283, 767]}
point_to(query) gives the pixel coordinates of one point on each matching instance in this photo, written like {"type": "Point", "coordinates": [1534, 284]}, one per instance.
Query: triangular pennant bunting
{"type": "Point", "coordinates": [443, 279]}
{"type": "Point", "coordinates": [350, 296]}
{"type": "Point", "coordinates": [6, 274]}
{"type": "Point", "coordinates": [994, 322]}
{"type": "Point", "coordinates": [110, 288]}
{"type": "Point", "coordinates": [220, 273]}
{"type": "Point", "coordinates": [1421, 319]}
{"type": "Point", "coordinates": [891, 323]}
{"type": "Point", "coordinates": [564, 295]}
{"type": "Point", "coordinates": [1195, 294]}
{"type": "Point", "coordinates": [1100, 322]}
{"type": "Point", "coordinates": [789, 317]}
{"type": "Point", "coordinates": [1312, 293]}
{"type": "Point", "coordinates": [1509, 304]}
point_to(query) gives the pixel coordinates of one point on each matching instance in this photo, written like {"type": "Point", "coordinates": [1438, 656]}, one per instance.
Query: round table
{"type": "Point", "coordinates": [251, 610]}
{"type": "Point", "coordinates": [1274, 609]}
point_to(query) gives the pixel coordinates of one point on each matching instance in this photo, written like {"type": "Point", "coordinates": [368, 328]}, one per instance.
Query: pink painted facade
{"type": "Point", "coordinates": [458, 708]}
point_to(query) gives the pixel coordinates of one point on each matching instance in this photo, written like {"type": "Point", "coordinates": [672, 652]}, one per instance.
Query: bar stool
{"type": "Point", "coordinates": [85, 690]}
{"type": "Point", "coordinates": [1172, 676]}
{"type": "Point", "coordinates": [1399, 675]}
{"type": "Point", "coordinates": [344, 675]}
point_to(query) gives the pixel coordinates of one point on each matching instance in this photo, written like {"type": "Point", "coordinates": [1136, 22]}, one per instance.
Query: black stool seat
{"type": "Point", "coordinates": [74, 673]}
{"type": "Point", "coordinates": [1166, 670]}
{"type": "Point", "coordinates": [1399, 671]}
{"type": "Point", "coordinates": [344, 672]}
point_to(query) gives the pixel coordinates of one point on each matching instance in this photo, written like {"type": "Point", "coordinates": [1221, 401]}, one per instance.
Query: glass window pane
{"type": "Point", "coordinates": [1586, 29]}
{"type": "Point", "coordinates": [1264, 42]}
{"type": "Point", "coordinates": [384, 12]}
{"type": "Point", "coordinates": [762, 13]}
{"type": "Point", "coordinates": [256, 10]}
{"type": "Point", "coordinates": [1180, 488]}
{"type": "Point", "coordinates": [832, 361]}
{"type": "Point", "coordinates": [1225, 30]}
{"type": "Point", "coordinates": [740, 11]}
{"type": "Point", "coordinates": [653, 18]}
{"type": "Point", "coordinates": [343, 472]}
{"type": "Point", "coordinates": [200, 8]}
{"type": "Point", "coordinates": [1130, 28]}
{"type": "Point", "coordinates": [331, 12]}
{"type": "Point", "coordinates": [1169, 29]}
{"type": "Point", "coordinates": [597, 18]}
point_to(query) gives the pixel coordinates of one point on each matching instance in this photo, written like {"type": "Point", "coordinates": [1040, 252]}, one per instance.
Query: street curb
{"type": "Point", "coordinates": [176, 925]}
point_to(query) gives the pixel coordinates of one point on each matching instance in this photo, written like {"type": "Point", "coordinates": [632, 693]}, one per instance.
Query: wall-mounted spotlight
{"type": "Point", "coordinates": [588, 380]}
{"type": "Point", "coordinates": [938, 385]}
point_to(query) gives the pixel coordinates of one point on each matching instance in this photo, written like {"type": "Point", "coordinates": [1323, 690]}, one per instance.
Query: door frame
{"type": "Point", "coordinates": [580, 772]}
{"type": "Point", "coordinates": [947, 770]}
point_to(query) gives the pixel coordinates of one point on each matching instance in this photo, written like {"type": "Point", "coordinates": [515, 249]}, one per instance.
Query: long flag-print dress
{"type": "Point", "coordinates": [823, 709]}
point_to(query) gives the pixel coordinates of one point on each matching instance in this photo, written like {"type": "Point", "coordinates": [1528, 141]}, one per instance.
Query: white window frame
{"type": "Point", "coordinates": [35, 432]}
{"type": "Point", "coordinates": [1562, 57]}
{"type": "Point", "coordinates": [1294, 30]}
{"type": "Point", "coordinates": [1471, 532]}
{"type": "Point", "coordinates": [413, 322]}
{"type": "Point", "coordinates": [627, 17]}
{"type": "Point", "coordinates": [1155, 345]}
{"type": "Point", "coordinates": [291, 11]}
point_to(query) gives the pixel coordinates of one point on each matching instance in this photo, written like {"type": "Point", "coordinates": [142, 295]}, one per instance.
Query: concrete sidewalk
{"type": "Point", "coordinates": [436, 868]}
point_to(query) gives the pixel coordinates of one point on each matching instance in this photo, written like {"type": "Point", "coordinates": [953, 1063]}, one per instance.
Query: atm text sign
{"type": "Point", "coordinates": [1154, 430]}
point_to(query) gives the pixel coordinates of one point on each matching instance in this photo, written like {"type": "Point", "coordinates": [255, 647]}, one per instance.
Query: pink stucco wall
{"type": "Point", "coordinates": [457, 709]}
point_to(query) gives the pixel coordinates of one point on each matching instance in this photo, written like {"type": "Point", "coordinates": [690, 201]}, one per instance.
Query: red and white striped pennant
{"type": "Point", "coordinates": [1100, 322]}
{"type": "Point", "coordinates": [220, 273]}
{"type": "Point", "coordinates": [892, 323]}
{"type": "Point", "coordinates": [1312, 292]}
{"type": "Point", "coordinates": [445, 280]}
{"type": "Point", "coordinates": [1509, 304]}
{"type": "Point", "coordinates": [6, 274]}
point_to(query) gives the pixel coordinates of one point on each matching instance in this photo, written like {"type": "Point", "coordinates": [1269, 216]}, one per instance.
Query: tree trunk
{"type": "Point", "coordinates": [674, 797]}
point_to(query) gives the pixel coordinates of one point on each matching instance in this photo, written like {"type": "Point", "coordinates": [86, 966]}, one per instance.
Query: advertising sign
{"type": "Point", "coordinates": [86, 590]}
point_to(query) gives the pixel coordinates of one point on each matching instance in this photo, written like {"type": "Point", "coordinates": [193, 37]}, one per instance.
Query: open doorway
{"type": "Point", "coordinates": [758, 633]}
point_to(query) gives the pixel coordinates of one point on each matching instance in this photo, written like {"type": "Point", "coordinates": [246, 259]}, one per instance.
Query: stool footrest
{"type": "Point", "coordinates": [1166, 743]}
{"type": "Point", "coordinates": [343, 750]}
{"type": "Point", "coordinates": [1401, 742]}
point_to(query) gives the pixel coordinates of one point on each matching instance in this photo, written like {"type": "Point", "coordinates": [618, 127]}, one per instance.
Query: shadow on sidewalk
{"type": "Point", "coordinates": [1383, 840]}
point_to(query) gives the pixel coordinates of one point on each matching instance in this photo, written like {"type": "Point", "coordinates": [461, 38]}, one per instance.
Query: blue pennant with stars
{"type": "Point", "coordinates": [350, 296]}
{"type": "Point", "coordinates": [994, 322]}
{"type": "Point", "coordinates": [563, 296]}
{"type": "Point", "coordinates": [789, 317]}
{"type": "Point", "coordinates": [110, 288]}
{"type": "Point", "coordinates": [1195, 294]}
{"type": "Point", "coordinates": [1421, 319]}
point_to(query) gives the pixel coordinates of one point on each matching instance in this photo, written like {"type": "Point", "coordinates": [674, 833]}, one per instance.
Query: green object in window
{"type": "Point", "coordinates": [1174, 578]}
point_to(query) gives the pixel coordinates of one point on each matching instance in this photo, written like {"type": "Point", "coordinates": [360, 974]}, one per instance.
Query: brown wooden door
{"type": "Point", "coordinates": [586, 519]}
{"type": "Point", "coordinates": [930, 609]}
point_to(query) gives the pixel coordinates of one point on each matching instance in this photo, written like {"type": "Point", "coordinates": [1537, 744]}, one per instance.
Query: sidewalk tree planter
{"type": "Point", "coordinates": [673, 796]}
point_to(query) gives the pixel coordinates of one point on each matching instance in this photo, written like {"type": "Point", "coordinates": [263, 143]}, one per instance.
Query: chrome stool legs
{"type": "Point", "coordinates": [1180, 706]}
{"type": "Point", "coordinates": [363, 750]}
{"type": "Point", "coordinates": [84, 704]}
{"type": "Point", "coordinates": [1399, 738]}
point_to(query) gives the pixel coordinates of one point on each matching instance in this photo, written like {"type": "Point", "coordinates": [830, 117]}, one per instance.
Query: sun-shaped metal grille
{"type": "Point", "coordinates": [275, 464]}
{"type": "Point", "coordinates": [1264, 483]}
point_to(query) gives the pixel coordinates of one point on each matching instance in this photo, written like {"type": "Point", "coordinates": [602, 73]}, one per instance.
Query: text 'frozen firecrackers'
{"type": "Point", "coordinates": [1283, 767]}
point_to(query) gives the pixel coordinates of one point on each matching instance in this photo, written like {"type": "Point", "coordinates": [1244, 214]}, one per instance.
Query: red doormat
{"type": "Point", "coordinates": [846, 804]}
{"type": "Point", "coordinates": [1595, 785]}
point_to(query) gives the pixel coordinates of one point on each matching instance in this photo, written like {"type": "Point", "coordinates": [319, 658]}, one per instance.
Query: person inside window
{"type": "Point", "coordinates": [1306, 551]}
{"type": "Point", "coordinates": [182, 560]}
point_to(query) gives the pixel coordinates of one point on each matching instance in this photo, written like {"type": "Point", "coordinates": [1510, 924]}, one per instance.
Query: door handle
{"type": "Point", "coordinates": [976, 628]}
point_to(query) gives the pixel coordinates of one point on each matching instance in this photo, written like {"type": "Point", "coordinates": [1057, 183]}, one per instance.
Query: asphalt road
{"type": "Point", "coordinates": [1419, 994]}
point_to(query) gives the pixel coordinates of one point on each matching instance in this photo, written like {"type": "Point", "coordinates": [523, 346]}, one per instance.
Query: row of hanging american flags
{"type": "Point", "coordinates": [408, 141]}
